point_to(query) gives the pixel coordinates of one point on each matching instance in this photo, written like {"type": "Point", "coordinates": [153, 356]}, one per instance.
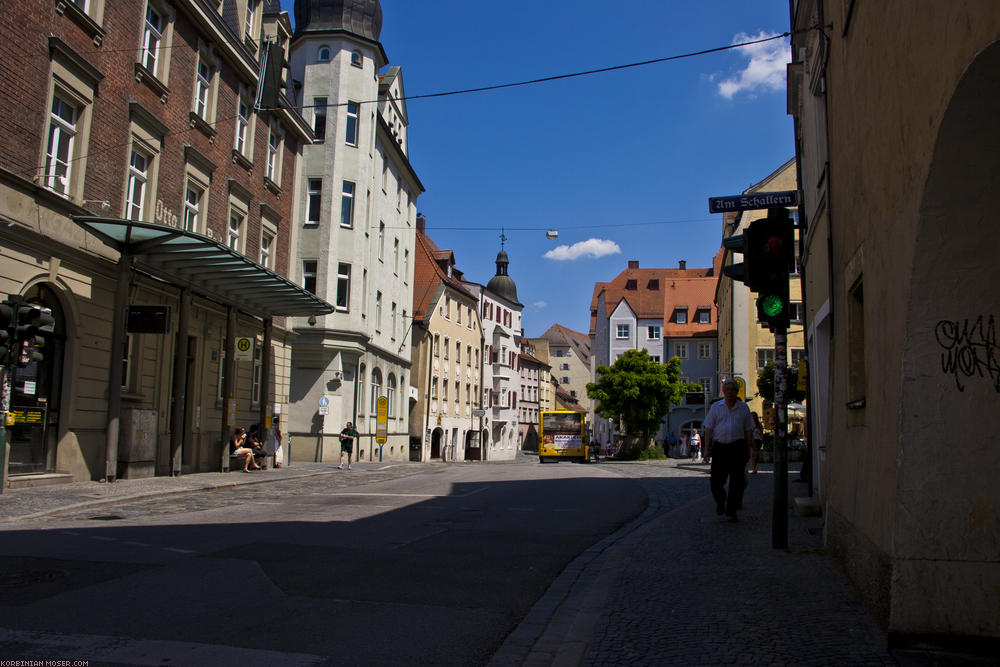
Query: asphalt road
{"type": "Point", "coordinates": [417, 564]}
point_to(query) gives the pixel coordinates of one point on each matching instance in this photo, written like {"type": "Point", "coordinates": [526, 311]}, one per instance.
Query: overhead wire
{"type": "Point", "coordinates": [478, 89]}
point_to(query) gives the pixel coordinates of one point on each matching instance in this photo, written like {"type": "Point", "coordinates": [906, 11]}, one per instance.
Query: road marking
{"type": "Point", "coordinates": [180, 551]}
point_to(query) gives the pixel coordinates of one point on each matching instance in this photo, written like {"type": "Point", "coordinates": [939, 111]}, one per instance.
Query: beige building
{"type": "Point", "coordinates": [896, 109]}
{"type": "Point", "coordinates": [546, 390]}
{"type": "Point", "coordinates": [447, 359]}
{"type": "Point", "coordinates": [745, 346]}
{"type": "Point", "coordinates": [569, 358]}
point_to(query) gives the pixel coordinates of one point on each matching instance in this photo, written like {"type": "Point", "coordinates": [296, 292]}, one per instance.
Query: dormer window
{"type": "Point", "coordinates": [631, 284]}
{"type": "Point", "coordinates": [704, 316]}
{"type": "Point", "coordinates": [653, 284]}
{"type": "Point", "coordinates": [323, 55]}
{"type": "Point", "coordinates": [681, 315]}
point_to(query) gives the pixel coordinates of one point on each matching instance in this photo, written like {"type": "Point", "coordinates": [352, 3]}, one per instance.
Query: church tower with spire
{"type": "Point", "coordinates": [356, 222]}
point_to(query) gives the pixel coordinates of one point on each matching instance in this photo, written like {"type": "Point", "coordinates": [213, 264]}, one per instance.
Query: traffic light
{"type": "Point", "coordinates": [738, 243]}
{"type": "Point", "coordinates": [771, 257]}
{"type": "Point", "coordinates": [7, 331]}
{"type": "Point", "coordinates": [35, 325]}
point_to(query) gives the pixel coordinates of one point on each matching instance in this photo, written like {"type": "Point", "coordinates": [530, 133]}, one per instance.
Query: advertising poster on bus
{"type": "Point", "coordinates": [562, 435]}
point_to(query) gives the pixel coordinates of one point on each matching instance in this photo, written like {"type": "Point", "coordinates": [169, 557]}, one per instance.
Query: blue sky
{"type": "Point", "coordinates": [620, 163]}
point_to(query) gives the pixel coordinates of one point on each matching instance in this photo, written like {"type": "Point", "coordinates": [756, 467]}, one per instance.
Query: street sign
{"type": "Point", "coordinates": [324, 405]}
{"type": "Point", "coordinates": [478, 412]}
{"type": "Point", "coordinates": [753, 201]}
{"type": "Point", "coordinates": [741, 385]}
{"type": "Point", "coordinates": [382, 420]}
{"type": "Point", "coordinates": [244, 349]}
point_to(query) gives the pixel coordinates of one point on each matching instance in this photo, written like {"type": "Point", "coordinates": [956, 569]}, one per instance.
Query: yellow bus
{"type": "Point", "coordinates": [561, 436]}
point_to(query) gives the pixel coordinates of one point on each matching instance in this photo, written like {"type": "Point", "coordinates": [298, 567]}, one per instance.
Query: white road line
{"type": "Point", "coordinates": [180, 551]}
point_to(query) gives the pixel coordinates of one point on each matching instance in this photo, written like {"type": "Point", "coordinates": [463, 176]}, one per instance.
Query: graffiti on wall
{"type": "Point", "coordinates": [969, 349]}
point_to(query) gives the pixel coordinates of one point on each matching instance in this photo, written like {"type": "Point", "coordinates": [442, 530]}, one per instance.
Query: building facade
{"type": "Point", "coordinates": [569, 358]}
{"type": "Point", "coordinates": [667, 313]}
{"type": "Point", "coordinates": [447, 359]}
{"type": "Point", "coordinates": [898, 258]}
{"type": "Point", "coordinates": [530, 370]}
{"type": "Point", "coordinates": [500, 312]}
{"type": "Point", "coordinates": [147, 202]}
{"type": "Point", "coordinates": [358, 196]}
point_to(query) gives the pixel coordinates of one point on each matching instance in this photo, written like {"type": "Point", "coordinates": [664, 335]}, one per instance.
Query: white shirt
{"type": "Point", "coordinates": [728, 424]}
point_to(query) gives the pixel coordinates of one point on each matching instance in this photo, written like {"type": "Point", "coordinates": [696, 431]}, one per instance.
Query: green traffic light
{"type": "Point", "coordinates": [771, 305]}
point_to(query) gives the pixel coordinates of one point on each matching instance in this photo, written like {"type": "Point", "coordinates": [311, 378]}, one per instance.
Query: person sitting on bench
{"type": "Point", "coordinates": [237, 447]}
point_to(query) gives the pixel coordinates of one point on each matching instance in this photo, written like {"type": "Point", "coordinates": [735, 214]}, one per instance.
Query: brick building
{"type": "Point", "coordinates": [136, 170]}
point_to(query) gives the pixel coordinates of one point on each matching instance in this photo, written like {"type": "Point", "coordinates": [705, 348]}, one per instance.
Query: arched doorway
{"type": "Point", "coordinates": [471, 446]}
{"type": "Point", "coordinates": [36, 392]}
{"type": "Point", "coordinates": [436, 437]}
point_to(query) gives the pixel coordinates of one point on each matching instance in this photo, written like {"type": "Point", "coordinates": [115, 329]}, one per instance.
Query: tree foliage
{"type": "Point", "coordinates": [765, 384]}
{"type": "Point", "coordinates": [637, 391]}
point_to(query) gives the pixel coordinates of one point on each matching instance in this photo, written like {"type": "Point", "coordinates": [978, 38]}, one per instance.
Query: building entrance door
{"type": "Point", "coordinates": [35, 392]}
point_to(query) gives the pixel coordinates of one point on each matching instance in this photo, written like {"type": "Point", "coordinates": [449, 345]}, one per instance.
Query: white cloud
{"type": "Point", "coordinates": [540, 304]}
{"type": "Point", "coordinates": [590, 248]}
{"type": "Point", "coordinates": [766, 69]}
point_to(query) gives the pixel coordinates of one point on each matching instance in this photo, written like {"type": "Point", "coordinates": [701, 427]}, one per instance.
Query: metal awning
{"type": "Point", "coordinates": [206, 266]}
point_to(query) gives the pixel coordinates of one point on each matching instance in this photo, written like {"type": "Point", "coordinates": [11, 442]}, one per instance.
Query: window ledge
{"type": "Point", "coordinates": [82, 19]}
{"type": "Point", "coordinates": [202, 125]}
{"type": "Point", "coordinates": [241, 159]}
{"type": "Point", "coordinates": [143, 75]}
{"type": "Point", "coordinates": [272, 186]}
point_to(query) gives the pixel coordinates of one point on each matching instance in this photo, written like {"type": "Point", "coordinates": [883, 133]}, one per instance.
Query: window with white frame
{"type": "Point", "coordinates": [381, 240]}
{"type": "Point", "coordinates": [655, 358]}
{"type": "Point", "coordinates": [564, 367]}
{"type": "Point", "coordinates": [765, 355]}
{"type": "Point", "coordinates": [347, 205]}
{"type": "Point", "coordinates": [62, 134]}
{"type": "Point", "coordinates": [203, 87]}
{"type": "Point", "coordinates": [622, 331]}
{"type": "Point", "coordinates": [406, 266]}
{"type": "Point", "coordinates": [152, 34]}
{"type": "Point", "coordinates": [797, 354]}
{"type": "Point", "coordinates": [314, 199]}
{"type": "Point", "coordinates": [390, 395]}
{"type": "Point", "coordinates": [274, 142]}
{"type": "Point", "coordinates": [309, 268]}
{"type": "Point", "coordinates": [193, 194]}
{"type": "Point", "coordinates": [468, 355]}
{"type": "Point", "coordinates": [362, 378]}
{"type": "Point", "coordinates": [395, 256]}
{"type": "Point", "coordinates": [378, 311]}
{"type": "Point", "coordinates": [235, 231]}
{"type": "Point", "coordinates": [434, 388]}
{"type": "Point", "coordinates": [704, 316]}
{"type": "Point", "coordinates": [795, 312]}
{"type": "Point", "coordinates": [437, 345]}
{"type": "Point", "coordinates": [319, 119]}
{"type": "Point", "coordinates": [392, 321]}
{"type": "Point", "coordinates": [243, 118]}
{"type": "Point", "coordinates": [364, 291]}
{"type": "Point", "coordinates": [138, 176]}
{"type": "Point", "coordinates": [266, 249]}
{"type": "Point", "coordinates": [653, 332]}
{"type": "Point", "coordinates": [706, 384]}
{"type": "Point", "coordinates": [447, 346]}
{"type": "Point", "coordinates": [704, 350]}
{"type": "Point", "coordinates": [680, 315]}
{"type": "Point", "coordinates": [343, 287]}
{"type": "Point", "coordinates": [251, 18]}
{"type": "Point", "coordinates": [351, 127]}
{"type": "Point", "coordinates": [376, 389]}
{"type": "Point", "coordinates": [681, 350]}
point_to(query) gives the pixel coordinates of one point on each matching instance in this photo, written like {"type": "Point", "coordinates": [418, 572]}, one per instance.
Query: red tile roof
{"type": "Point", "coordinates": [647, 290]}
{"type": "Point", "coordinates": [428, 275]}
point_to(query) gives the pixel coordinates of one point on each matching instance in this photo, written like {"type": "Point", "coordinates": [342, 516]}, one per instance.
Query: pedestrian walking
{"type": "Point", "coordinates": [695, 444]}
{"type": "Point", "coordinates": [728, 437]}
{"type": "Point", "coordinates": [347, 438]}
{"type": "Point", "coordinates": [758, 442]}
{"type": "Point", "coordinates": [272, 444]}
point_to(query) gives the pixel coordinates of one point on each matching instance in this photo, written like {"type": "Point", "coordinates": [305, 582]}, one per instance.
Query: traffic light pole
{"type": "Point", "coordinates": [779, 513]}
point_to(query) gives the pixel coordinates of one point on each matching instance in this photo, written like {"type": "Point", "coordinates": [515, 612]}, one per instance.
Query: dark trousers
{"type": "Point", "coordinates": [729, 460]}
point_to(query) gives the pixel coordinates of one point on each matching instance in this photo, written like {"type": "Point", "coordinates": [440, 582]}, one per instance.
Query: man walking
{"type": "Point", "coordinates": [347, 438]}
{"type": "Point", "coordinates": [728, 438]}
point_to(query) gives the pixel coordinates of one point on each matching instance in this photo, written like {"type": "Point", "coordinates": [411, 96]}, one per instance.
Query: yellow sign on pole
{"type": "Point", "coordinates": [742, 384]}
{"type": "Point", "coordinates": [382, 420]}
{"type": "Point", "coordinates": [231, 412]}
{"type": "Point", "coordinates": [802, 379]}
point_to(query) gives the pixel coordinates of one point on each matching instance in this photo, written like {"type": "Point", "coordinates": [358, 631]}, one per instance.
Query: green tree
{"type": "Point", "coordinates": [765, 384]}
{"type": "Point", "coordinates": [637, 392]}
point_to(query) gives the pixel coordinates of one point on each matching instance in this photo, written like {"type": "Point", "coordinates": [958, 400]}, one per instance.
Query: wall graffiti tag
{"type": "Point", "coordinates": [969, 349]}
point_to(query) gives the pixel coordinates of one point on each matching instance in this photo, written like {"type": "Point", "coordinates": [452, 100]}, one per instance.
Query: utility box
{"type": "Point", "coordinates": [137, 443]}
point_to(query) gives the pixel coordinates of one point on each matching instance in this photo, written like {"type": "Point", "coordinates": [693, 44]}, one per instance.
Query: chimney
{"type": "Point", "coordinates": [421, 223]}
{"type": "Point", "coordinates": [682, 264]}
{"type": "Point", "coordinates": [633, 264]}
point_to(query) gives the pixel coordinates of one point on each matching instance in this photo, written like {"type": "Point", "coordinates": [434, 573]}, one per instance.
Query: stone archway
{"type": "Point", "coordinates": [437, 438]}
{"type": "Point", "coordinates": [944, 523]}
